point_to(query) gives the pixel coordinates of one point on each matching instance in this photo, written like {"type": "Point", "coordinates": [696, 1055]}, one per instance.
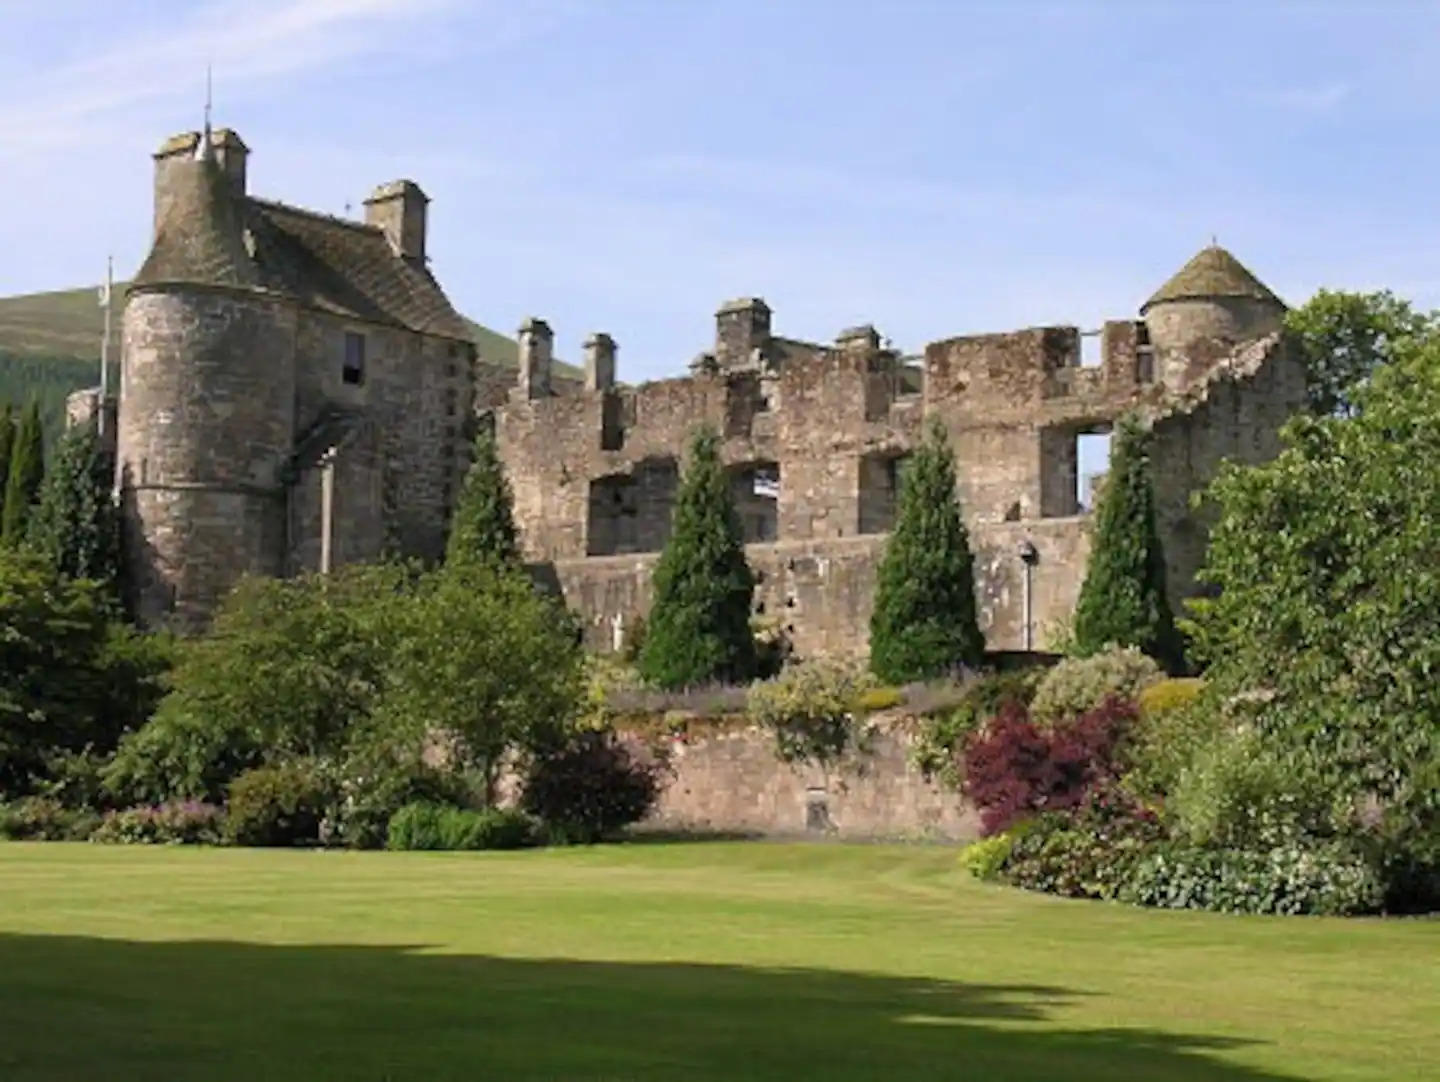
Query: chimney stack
{"type": "Point", "coordinates": [741, 327]}
{"type": "Point", "coordinates": [399, 209]}
{"type": "Point", "coordinates": [599, 362]}
{"type": "Point", "coordinates": [537, 347]}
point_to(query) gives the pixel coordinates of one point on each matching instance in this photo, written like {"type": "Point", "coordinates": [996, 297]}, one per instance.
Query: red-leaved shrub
{"type": "Point", "coordinates": [1015, 768]}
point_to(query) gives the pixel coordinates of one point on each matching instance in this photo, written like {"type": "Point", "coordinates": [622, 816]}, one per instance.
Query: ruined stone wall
{"type": "Point", "coordinates": [820, 593]}
{"type": "Point", "coordinates": [728, 779]}
{"type": "Point", "coordinates": [594, 472]}
{"type": "Point", "coordinates": [1236, 414]}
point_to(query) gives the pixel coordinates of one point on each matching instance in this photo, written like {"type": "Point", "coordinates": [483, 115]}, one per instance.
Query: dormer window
{"type": "Point", "coordinates": [353, 371]}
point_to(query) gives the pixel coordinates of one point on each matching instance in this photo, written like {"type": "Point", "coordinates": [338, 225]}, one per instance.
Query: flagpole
{"type": "Point", "coordinates": [105, 345]}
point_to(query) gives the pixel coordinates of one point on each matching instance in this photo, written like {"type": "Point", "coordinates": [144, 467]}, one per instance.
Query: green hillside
{"type": "Point", "coordinates": [67, 325]}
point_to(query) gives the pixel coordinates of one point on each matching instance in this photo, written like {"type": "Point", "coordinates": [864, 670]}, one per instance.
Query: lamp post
{"type": "Point", "coordinates": [1029, 556]}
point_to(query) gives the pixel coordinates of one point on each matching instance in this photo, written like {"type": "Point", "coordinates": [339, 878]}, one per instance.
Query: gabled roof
{"type": "Point", "coordinates": [347, 268]}
{"type": "Point", "coordinates": [1211, 273]}
{"type": "Point", "coordinates": [209, 236]}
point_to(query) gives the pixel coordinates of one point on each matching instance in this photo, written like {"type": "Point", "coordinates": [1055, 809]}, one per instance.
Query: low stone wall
{"type": "Point", "coordinates": [727, 779]}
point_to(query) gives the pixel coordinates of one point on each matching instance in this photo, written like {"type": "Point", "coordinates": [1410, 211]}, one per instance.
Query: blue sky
{"type": "Point", "coordinates": [626, 165]}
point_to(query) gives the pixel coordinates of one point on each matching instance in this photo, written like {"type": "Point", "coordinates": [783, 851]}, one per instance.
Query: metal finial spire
{"type": "Point", "coordinates": [205, 152]}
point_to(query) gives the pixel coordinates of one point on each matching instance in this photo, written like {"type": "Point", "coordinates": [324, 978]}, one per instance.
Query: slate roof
{"type": "Point", "coordinates": [209, 236]}
{"type": "Point", "coordinates": [200, 238]}
{"type": "Point", "coordinates": [1212, 272]}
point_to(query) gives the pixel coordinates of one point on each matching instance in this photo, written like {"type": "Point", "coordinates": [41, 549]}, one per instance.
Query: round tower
{"type": "Point", "coordinates": [206, 399]}
{"type": "Point", "coordinates": [1212, 304]}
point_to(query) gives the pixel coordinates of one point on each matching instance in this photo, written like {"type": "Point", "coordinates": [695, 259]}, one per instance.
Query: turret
{"type": "Point", "coordinates": [1212, 304]}
{"type": "Point", "coordinates": [206, 400]}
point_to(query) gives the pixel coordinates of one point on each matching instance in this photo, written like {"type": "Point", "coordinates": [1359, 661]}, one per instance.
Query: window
{"type": "Point", "coordinates": [353, 371]}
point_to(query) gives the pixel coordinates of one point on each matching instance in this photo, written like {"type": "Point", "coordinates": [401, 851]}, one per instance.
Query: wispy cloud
{"type": "Point", "coordinates": [249, 42]}
{"type": "Point", "coordinates": [1304, 99]}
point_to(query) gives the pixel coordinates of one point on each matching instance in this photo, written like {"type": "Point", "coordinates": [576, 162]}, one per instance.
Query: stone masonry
{"type": "Point", "coordinates": [297, 392]}
{"type": "Point", "coordinates": [816, 436]}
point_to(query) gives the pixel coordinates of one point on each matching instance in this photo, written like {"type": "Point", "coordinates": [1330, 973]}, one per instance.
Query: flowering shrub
{"type": "Point", "coordinates": [1015, 768]}
{"type": "Point", "coordinates": [189, 822]}
{"type": "Point", "coordinates": [1087, 853]}
{"type": "Point", "coordinates": [43, 819]}
{"type": "Point", "coordinates": [812, 710]}
{"type": "Point", "coordinates": [1080, 684]}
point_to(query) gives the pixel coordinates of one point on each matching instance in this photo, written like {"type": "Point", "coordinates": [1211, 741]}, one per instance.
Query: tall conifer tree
{"type": "Point", "coordinates": [699, 625]}
{"type": "Point", "coordinates": [924, 623]}
{"type": "Point", "coordinates": [7, 443]}
{"type": "Point", "coordinates": [27, 471]}
{"type": "Point", "coordinates": [482, 530]}
{"type": "Point", "coordinates": [74, 525]}
{"type": "Point", "coordinates": [1122, 601]}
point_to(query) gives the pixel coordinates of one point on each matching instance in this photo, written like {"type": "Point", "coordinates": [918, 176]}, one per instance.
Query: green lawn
{"type": "Point", "coordinates": [688, 962]}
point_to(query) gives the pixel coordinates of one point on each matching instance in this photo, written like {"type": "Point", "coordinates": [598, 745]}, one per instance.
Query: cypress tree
{"type": "Point", "coordinates": [74, 525]}
{"type": "Point", "coordinates": [27, 471]}
{"type": "Point", "coordinates": [482, 529]}
{"type": "Point", "coordinates": [699, 624]}
{"type": "Point", "coordinates": [924, 623]}
{"type": "Point", "coordinates": [1122, 601]}
{"type": "Point", "coordinates": [7, 442]}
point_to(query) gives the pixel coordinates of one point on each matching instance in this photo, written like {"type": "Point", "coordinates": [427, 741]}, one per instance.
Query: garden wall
{"type": "Point", "coordinates": [727, 778]}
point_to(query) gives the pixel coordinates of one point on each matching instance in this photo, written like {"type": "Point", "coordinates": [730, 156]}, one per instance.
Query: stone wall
{"type": "Point", "coordinates": [730, 780]}
{"type": "Point", "coordinates": [232, 403]}
{"type": "Point", "coordinates": [830, 427]}
{"type": "Point", "coordinates": [820, 594]}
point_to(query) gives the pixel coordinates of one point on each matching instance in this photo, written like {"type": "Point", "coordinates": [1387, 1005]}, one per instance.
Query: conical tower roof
{"type": "Point", "coordinates": [1211, 274]}
{"type": "Point", "coordinates": [200, 238]}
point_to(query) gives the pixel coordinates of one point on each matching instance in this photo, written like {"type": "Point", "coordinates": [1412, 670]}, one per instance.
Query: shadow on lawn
{"type": "Point", "coordinates": [76, 1008]}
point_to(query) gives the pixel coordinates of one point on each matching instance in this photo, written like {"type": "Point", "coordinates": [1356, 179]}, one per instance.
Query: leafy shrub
{"type": "Point", "coordinates": [1329, 878]}
{"type": "Point", "coordinates": [1080, 684]}
{"type": "Point", "coordinates": [986, 858]}
{"type": "Point", "coordinates": [591, 786]}
{"type": "Point", "coordinates": [941, 735]}
{"type": "Point", "coordinates": [1015, 768]}
{"type": "Point", "coordinates": [43, 819]}
{"type": "Point", "coordinates": [278, 805]}
{"type": "Point", "coordinates": [1241, 791]}
{"type": "Point", "coordinates": [438, 826]}
{"type": "Point", "coordinates": [811, 710]}
{"type": "Point", "coordinates": [70, 677]}
{"type": "Point", "coordinates": [373, 787]}
{"type": "Point", "coordinates": [1169, 695]}
{"type": "Point", "coordinates": [1086, 855]}
{"type": "Point", "coordinates": [184, 823]}
{"type": "Point", "coordinates": [874, 700]}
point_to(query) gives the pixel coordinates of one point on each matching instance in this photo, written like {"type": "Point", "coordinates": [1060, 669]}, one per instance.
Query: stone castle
{"type": "Point", "coordinates": [297, 392]}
